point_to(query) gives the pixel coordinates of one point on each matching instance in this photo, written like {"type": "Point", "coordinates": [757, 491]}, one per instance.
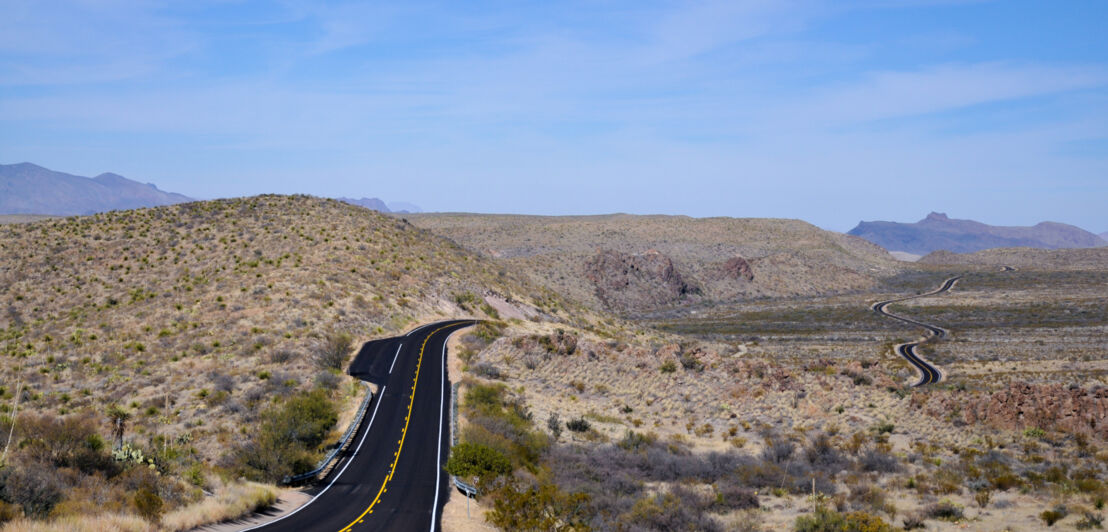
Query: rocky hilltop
{"type": "Point", "coordinates": [634, 263]}
{"type": "Point", "coordinates": [26, 188]}
{"type": "Point", "coordinates": [939, 232]}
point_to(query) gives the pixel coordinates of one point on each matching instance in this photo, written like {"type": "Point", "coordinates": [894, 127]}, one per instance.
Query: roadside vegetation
{"type": "Point", "coordinates": [151, 358]}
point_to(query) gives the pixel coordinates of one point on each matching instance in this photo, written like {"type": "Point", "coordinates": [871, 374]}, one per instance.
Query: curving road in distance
{"type": "Point", "coordinates": [928, 374]}
{"type": "Point", "coordinates": [391, 476]}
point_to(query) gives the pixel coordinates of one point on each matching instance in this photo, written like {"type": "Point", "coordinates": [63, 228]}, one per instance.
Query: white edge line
{"type": "Point", "coordinates": [438, 458]}
{"type": "Point", "coordinates": [394, 357]}
{"type": "Point", "coordinates": [343, 470]}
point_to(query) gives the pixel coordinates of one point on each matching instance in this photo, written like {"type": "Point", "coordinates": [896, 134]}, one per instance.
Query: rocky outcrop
{"type": "Point", "coordinates": [736, 268]}
{"type": "Point", "coordinates": [1070, 409]}
{"type": "Point", "coordinates": [633, 282]}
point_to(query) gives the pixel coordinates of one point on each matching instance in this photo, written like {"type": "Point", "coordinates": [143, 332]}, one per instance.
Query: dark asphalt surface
{"type": "Point", "coordinates": [391, 477]}
{"type": "Point", "coordinates": [928, 373]}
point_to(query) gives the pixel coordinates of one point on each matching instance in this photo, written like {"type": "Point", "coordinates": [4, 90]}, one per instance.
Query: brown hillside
{"type": "Point", "coordinates": [1026, 258]}
{"type": "Point", "coordinates": [779, 257]}
{"type": "Point", "coordinates": [219, 310]}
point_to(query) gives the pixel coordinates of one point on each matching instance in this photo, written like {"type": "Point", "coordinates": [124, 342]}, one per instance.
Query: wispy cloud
{"type": "Point", "coordinates": [731, 99]}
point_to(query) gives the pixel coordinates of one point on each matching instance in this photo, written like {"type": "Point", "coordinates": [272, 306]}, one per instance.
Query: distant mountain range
{"type": "Point", "coordinates": [380, 206]}
{"type": "Point", "coordinates": [938, 232]}
{"type": "Point", "coordinates": [27, 188]}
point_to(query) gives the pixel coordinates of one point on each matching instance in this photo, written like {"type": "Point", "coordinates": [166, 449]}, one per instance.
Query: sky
{"type": "Point", "coordinates": [829, 111]}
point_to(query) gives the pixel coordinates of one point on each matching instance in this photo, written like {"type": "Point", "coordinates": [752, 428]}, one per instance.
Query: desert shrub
{"type": "Point", "coordinates": [541, 507]}
{"type": "Point", "coordinates": [823, 456]}
{"type": "Point", "coordinates": [468, 460]}
{"type": "Point", "coordinates": [1089, 520]}
{"type": "Point", "coordinates": [914, 522]}
{"type": "Point", "coordinates": [579, 424]}
{"type": "Point", "coordinates": [486, 370]}
{"type": "Point", "coordinates": [777, 451]}
{"type": "Point", "coordinates": [982, 497]}
{"type": "Point", "coordinates": [327, 380]}
{"type": "Point", "coordinates": [8, 512]}
{"type": "Point", "coordinates": [280, 356]}
{"type": "Point", "coordinates": [730, 496]}
{"type": "Point", "coordinates": [825, 520]}
{"type": "Point", "coordinates": [635, 441]}
{"type": "Point", "coordinates": [488, 331]}
{"type": "Point", "coordinates": [148, 505]}
{"type": "Point", "coordinates": [288, 436]}
{"type": "Point", "coordinates": [870, 497]}
{"type": "Point", "coordinates": [668, 367]}
{"type": "Point", "coordinates": [69, 441]}
{"type": "Point", "coordinates": [36, 487]}
{"type": "Point", "coordinates": [503, 423]}
{"type": "Point", "coordinates": [876, 460]}
{"type": "Point", "coordinates": [333, 351]}
{"type": "Point", "coordinates": [944, 510]}
{"type": "Point", "coordinates": [1054, 515]}
{"type": "Point", "coordinates": [554, 425]}
{"type": "Point", "coordinates": [677, 509]}
{"type": "Point", "coordinates": [690, 362]}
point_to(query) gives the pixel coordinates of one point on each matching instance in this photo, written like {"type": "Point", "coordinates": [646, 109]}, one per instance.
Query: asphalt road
{"type": "Point", "coordinates": [391, 476]}
{"type": "Point", "coordinates": [928, 374]}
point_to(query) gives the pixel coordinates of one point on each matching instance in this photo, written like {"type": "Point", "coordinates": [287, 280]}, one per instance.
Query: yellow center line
{"type": "Point", "coordinates": [403, 435]}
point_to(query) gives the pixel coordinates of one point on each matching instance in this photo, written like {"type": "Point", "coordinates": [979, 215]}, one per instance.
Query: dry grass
{"type": "Point", "coordinates": [230, 501]}
{"type": "Point", "coordinates": [82, 523]}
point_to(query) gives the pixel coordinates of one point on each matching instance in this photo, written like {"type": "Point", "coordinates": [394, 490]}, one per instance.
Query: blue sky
{"type": "Point", "coordinates": [828, 111]}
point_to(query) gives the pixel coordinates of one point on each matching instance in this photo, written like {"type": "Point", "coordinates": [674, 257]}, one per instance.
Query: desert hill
{"type": "Point", "coordinates": [634, 263]}
{"type": "Point", "coordinates": [1026, 258]}
{"type": "Point", "coordinates": [26, 188]}
{"type": "Point", "coordinates": [219, 310]}
{"type": "Point", "coordinates": [939, 232]}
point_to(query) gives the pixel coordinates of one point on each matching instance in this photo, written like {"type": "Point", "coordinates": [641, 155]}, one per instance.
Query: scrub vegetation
{"type": "Point", "coordinates": [151, 358]}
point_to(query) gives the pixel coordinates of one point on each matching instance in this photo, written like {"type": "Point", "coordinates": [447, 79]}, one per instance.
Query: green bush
{"type": "Point", "coordinates": [542, 507]}
{"type": "Point", "coordinates": [469, 460]}
{"type": "Point", "coordinates": [148, 505]}
{"type": "Point", "coordinates": [825, 520]}
{"type": "Point", "coordinates": [578, 425]}
{"type": "Point", "coordinates": [288, 437]}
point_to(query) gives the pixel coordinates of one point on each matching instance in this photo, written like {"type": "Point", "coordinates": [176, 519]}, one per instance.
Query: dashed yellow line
{"type": "Point", "coordinates": [403, 435]}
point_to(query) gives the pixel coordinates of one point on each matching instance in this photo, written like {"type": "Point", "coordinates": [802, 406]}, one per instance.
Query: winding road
{"type": "Point", "coordinates": [391, 476]}
{"type": "Point", "coordinates": [929, 374]}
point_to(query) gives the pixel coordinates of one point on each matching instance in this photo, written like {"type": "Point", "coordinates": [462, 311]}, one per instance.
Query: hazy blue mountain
{"type": "Point", "coordinates": [938, 232]}
{"type": "Point", "coordinates": [402, 206]}
{"type": "Point", "coordinates": [380, 206]}
{"type": "Point", "coordinates": [27, 188]}
{"type": "Point", "coordinates": [369, 203]}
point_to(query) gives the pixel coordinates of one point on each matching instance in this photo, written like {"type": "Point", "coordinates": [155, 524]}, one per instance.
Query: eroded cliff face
{"type": "Point", "coordinates": [625, 281]}
{"type": "Point", "coordinates": [1022, 405]}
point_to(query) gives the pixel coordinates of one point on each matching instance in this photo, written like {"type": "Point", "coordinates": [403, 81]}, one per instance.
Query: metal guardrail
{"type": "Point", "coordinates": [469, 489]}
{"type": "Point", "coordinates": [342, 443]}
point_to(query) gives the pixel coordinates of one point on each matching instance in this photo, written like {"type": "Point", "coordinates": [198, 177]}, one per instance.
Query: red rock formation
{"type": "Point", "coordinates": [1021, 405]}
{"type": "Point", "coordinates": [632, 282]}
{"type": "Point", "coordinates": [736, 268]}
